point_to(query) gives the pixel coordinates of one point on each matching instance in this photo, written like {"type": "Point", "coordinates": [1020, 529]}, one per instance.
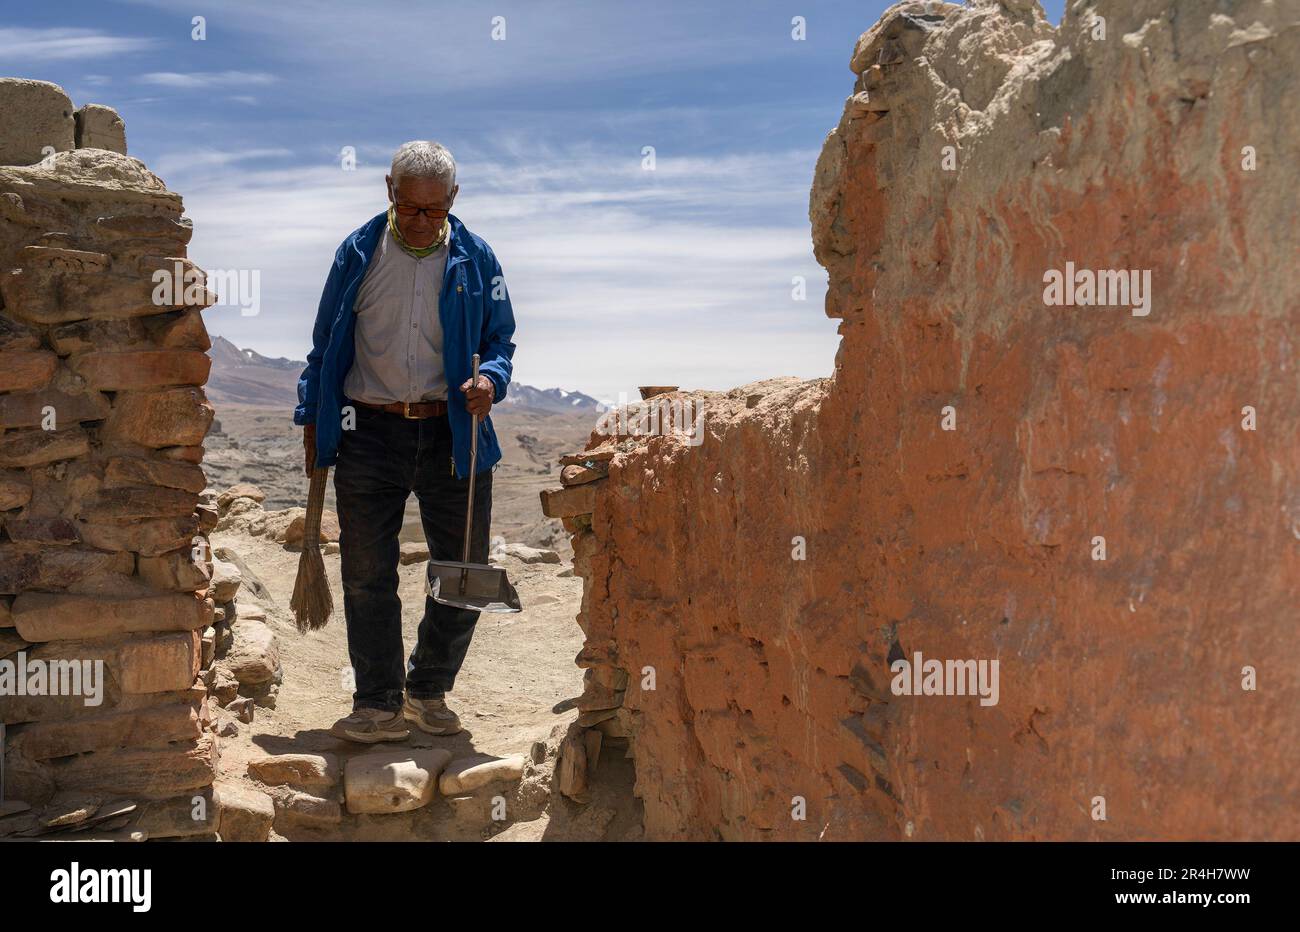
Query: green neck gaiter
{"type": "Point", "coordinates": [411, 250]}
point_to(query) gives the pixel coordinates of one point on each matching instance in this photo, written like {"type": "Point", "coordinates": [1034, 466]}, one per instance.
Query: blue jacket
{"type": "Point", "coordinates": [476, 316]}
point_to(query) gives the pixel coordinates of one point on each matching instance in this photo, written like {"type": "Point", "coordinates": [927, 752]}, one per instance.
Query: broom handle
{"type": "Point", "coordinates": [315, 508]}
{"type": "Point", "coordinates": [469, 508]}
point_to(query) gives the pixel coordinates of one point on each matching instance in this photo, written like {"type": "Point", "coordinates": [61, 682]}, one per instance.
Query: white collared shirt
{"type": "Point", "coordinates": [398, 334]}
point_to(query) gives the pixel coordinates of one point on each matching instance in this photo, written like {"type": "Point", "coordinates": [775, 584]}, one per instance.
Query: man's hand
{"type": "Point", "coordinates": [309, 446]}
{"type": "Point", "coordinates": [479, 398]}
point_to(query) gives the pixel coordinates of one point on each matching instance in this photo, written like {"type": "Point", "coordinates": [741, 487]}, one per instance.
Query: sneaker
{"type": "Point", "coordinates": [431, 715]}
{"type": "Point", "coordinates": [370, 726]}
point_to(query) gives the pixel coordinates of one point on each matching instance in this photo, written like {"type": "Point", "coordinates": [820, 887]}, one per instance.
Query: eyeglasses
{"type": "Point", "coordinates": [434, 213]}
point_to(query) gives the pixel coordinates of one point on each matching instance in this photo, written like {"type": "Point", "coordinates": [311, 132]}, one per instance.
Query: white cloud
{"type": "Point", "coordinates": [207, 79]}
{"type": "Point", "coordinates": [62, 43]}
{"type": "Point", "coordinates": [185, 162]}
{"type": "Point", "coordinates": [556, 42]}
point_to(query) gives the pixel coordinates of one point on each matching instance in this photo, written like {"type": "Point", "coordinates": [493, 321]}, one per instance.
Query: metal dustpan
{"type": "Point", "coordinates": [479, 587]}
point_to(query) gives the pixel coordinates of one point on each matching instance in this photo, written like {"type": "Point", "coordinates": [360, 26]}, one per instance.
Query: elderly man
{"type": "Point", "coordinates": [387, 398]}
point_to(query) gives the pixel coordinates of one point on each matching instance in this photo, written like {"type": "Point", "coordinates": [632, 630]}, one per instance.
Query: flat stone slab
{"type": "Point", "coordinates": [43, 616]}
{"type": "Point", "coordinates": [530, 554]}
{"type": "Point", "coordinates": [568, 502]}
{"type": "Point", "coordinates": [303, 770]}
{"type": "Point", "coordinates": [575, 474]}
{"type": "Point", "coordinates": [393, 781]}
{"type": "Point", "coordinates": [296, 808]}
{"type": "Point", "coordinates": [601, 454]}
{"type": "Point", "coordinates": [470, 773]}
{"type": "Point", "coordinates": [246, 814]}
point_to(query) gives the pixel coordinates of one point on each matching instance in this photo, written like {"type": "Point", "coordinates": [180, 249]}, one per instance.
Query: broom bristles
{"type": "Point", "coordinates": [312, 603]}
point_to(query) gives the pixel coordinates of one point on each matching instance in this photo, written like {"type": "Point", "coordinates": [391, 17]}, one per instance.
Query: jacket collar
{"type": "Point", "coordinates": [366, 239]}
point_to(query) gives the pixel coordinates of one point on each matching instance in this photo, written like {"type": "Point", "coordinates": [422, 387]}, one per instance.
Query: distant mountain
{"type": "Point", "coordinates": [244, 376]}
{"type": "Point", "coordinates": [555, 400]}
{"type": "Point", "coordinates": [232, 355]}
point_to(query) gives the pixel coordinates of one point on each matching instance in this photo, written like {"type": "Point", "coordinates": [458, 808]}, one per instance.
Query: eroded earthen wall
{"type": "Point", "coordinates": [102, 419]}
{"type": "Point", "coordinates": [1163, 139]}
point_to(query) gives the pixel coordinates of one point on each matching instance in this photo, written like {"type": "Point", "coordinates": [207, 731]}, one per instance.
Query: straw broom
{"type": "Point", "coordinates": [312, 603]}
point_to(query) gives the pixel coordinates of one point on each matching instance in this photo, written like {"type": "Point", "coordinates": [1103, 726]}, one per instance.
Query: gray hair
{"type": "Point", "coordinates": [423, 159]}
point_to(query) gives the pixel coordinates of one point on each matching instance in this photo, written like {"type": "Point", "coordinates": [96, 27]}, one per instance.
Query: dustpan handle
{"type": "Point", "coordinates": [473, 459]}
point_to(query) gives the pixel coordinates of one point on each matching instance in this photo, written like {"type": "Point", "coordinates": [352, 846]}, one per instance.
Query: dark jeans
{"type": "Point", "coordinates": [380, 463]}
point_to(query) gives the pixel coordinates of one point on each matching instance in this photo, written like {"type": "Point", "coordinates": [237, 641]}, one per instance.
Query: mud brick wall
{"type": "Point", "coordinates": [102, 420]}
{"type": "Point", "coordinates": [950, 481]}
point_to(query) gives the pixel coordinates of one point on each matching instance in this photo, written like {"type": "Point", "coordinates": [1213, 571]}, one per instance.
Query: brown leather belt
{"type": "Point", "coordinates": [413, 410]}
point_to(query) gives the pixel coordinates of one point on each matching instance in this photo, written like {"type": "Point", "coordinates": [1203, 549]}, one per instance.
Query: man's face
{"type": "Point", "coordinates": [420, 230]}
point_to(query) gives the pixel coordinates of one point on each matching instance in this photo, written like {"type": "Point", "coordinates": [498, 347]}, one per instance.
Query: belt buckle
{"type": "Point", "coordinates": [406, 412]}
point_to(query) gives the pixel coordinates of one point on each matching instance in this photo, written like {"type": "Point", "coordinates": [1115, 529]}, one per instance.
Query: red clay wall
{"type": "Point", "coordinates": [1119, 679]}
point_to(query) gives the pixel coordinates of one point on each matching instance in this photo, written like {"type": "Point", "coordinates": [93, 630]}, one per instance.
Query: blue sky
{"type": "Point", "coordinates": [619, 276]}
